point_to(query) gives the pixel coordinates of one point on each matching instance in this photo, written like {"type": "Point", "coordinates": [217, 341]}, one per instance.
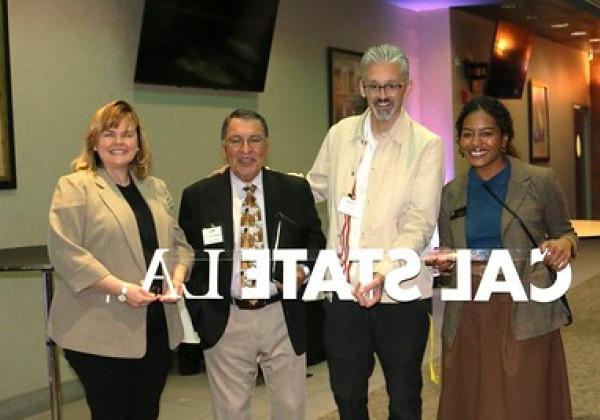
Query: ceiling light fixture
{"type": "Point", "coordinates": [578, 33]}
{"type": "Point", "coordinates": [559, 25]}
{"type": "Point", "coordinates": [594, 39]}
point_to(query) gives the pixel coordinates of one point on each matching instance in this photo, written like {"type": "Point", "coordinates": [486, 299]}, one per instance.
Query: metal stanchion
{"type": "Point", "coordinates": [35, 258]}
{"type": "Point", "coordinates": [52, 353]}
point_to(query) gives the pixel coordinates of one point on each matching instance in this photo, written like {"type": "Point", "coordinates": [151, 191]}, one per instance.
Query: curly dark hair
{"type": "Point", "coordinates": [497, 111]}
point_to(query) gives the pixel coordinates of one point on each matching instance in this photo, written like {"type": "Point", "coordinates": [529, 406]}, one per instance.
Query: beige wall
{"type": "Point", "coordinates": [564, 70]}
{"type": "Point", "coordinates": [70, 56]}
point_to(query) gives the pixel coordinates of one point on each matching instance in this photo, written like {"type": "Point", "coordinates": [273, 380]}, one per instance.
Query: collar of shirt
{"type": "Point", "coordinates": [396, 133]}
{"type": "Point", "coordinates": [368, 134]}
{"type": "Point", "coordinates": [496, 182]}
{"type": "Point", "coordinates": [237, 187]}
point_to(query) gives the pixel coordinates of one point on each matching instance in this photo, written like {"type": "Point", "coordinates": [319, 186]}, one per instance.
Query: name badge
{"type": "Point", "coordinates": [212, 235]}
{"type": "Point", "coordinates": [348, 206]}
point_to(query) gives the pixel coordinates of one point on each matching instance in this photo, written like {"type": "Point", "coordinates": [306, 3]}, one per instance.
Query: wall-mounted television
{"type": "Point", "coordinates": [206, 43]}
{"type": "Point", "coordinates": [509, 60]}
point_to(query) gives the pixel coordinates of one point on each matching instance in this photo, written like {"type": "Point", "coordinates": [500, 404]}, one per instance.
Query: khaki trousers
{"type": "Point", "coordinates": [252, 338]}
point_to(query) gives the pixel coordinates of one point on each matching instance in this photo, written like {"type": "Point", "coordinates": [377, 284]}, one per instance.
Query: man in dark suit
{"type": "Point", "coordinates": [248, 206]}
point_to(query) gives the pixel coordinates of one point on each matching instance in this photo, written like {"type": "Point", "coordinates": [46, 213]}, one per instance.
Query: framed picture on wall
{"type": "Point", "coordinates": [7, 151]}
{"type": "Point", "coordinates": [344, 78]}
{"type": "Point", "coordinates": [539, 122]}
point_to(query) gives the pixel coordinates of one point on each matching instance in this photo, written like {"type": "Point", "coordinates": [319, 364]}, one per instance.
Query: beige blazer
{"type": "Point", "coordinates": [403, 193]}
{"type": "Point", "coordinates": [535, 195]}
{"type": "Point", "coordinates": [93, 233]}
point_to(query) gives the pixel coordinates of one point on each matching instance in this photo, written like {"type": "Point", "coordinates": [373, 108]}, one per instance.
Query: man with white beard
{"type": "Point", "coordinates": [381, 174]}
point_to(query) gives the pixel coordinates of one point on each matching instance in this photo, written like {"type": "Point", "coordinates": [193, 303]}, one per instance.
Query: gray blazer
{"type": "Point", "coordinates": [535, 195]}
{"type": "Point", "coordinates": [93, 233]}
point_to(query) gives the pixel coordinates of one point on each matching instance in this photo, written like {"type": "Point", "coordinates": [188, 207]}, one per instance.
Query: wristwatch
{"type": "Point", "coordinates": [123, 296]}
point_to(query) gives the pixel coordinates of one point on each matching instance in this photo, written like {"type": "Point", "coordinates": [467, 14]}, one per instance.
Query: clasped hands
{"type": "Point", "coordinates": [138, 297]}
{"type": "Point", "coordinates": [443, 259]}
{"type": "Point", "coordinates": [300, 278]}
{"type": "Point", "coordinates": [369, 294]}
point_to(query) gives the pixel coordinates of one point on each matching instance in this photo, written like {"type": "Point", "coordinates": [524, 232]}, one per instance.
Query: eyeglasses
{"type": "Point", "coordinates": [253, 142]}
{"type": "Point", "coordinates": [389, 88]}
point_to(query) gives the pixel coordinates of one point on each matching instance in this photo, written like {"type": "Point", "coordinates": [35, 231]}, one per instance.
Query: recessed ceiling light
{"type": "Point", "coordinates": [594, 39]}
{"type": "Point", "coordinates": [559, 25]}
{"type": "Point", "coordinates": [578, 33]}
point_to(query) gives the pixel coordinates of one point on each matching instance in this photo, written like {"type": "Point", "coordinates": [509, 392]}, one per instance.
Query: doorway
{"type": "Point", "coordinates": [581, 143]}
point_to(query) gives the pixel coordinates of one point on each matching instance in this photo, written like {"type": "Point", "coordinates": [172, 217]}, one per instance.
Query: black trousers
{"type": "Point", "coordinates": [127, 389]}
{"type": "Point", "coordinates": [397, 334]}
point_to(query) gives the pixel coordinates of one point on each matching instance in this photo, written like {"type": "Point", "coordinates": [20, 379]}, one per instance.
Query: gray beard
{"type": "Point", "coordinates": [382, 115]}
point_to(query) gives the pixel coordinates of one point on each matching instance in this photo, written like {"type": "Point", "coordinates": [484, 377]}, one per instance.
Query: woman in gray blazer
{"type": "Point", "coordinates": [106, 220]}
{"type": "Point", "coordinates": [503, 359]}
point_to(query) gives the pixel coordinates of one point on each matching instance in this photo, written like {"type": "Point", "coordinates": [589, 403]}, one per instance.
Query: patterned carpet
{"type": "Point", "coordinates": [582, 347]}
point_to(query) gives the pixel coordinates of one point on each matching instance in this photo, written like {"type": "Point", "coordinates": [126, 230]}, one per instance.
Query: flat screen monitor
{"type": "Point", "coordinates": [509, 60]}
{"type": "Point", "coordinates": [206, 43]}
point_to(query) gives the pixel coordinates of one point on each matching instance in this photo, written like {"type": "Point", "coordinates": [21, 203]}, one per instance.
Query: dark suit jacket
{"type": "Point", "coordinates": [535, 195]}
{"type": "Point", "coordinates": [209, 203]}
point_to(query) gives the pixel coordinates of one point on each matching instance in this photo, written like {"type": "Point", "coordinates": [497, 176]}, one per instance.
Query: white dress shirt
{"type": "Point", "coordinates": [362, 181]}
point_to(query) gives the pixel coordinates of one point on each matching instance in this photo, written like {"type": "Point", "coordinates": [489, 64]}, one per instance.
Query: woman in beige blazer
{"type": "Point", "coordinates": [106, 220]}
{"type": "Point", "coordinates": [503, 359]}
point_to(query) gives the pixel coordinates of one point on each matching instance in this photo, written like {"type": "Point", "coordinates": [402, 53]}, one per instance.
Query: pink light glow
{"type": "Point", "coordinates": [422, 5]}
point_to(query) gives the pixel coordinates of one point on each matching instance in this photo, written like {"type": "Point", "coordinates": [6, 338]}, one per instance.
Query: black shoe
{"type": "Point", "coordinates": [190, 360]}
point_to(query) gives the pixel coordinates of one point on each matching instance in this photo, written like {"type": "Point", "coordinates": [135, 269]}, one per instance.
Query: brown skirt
{"type": "Point", "coordinates": [488, 375]}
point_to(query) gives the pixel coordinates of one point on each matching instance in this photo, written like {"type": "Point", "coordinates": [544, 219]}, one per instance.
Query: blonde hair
{"type": "Point", "coordinates": [110, 116]}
